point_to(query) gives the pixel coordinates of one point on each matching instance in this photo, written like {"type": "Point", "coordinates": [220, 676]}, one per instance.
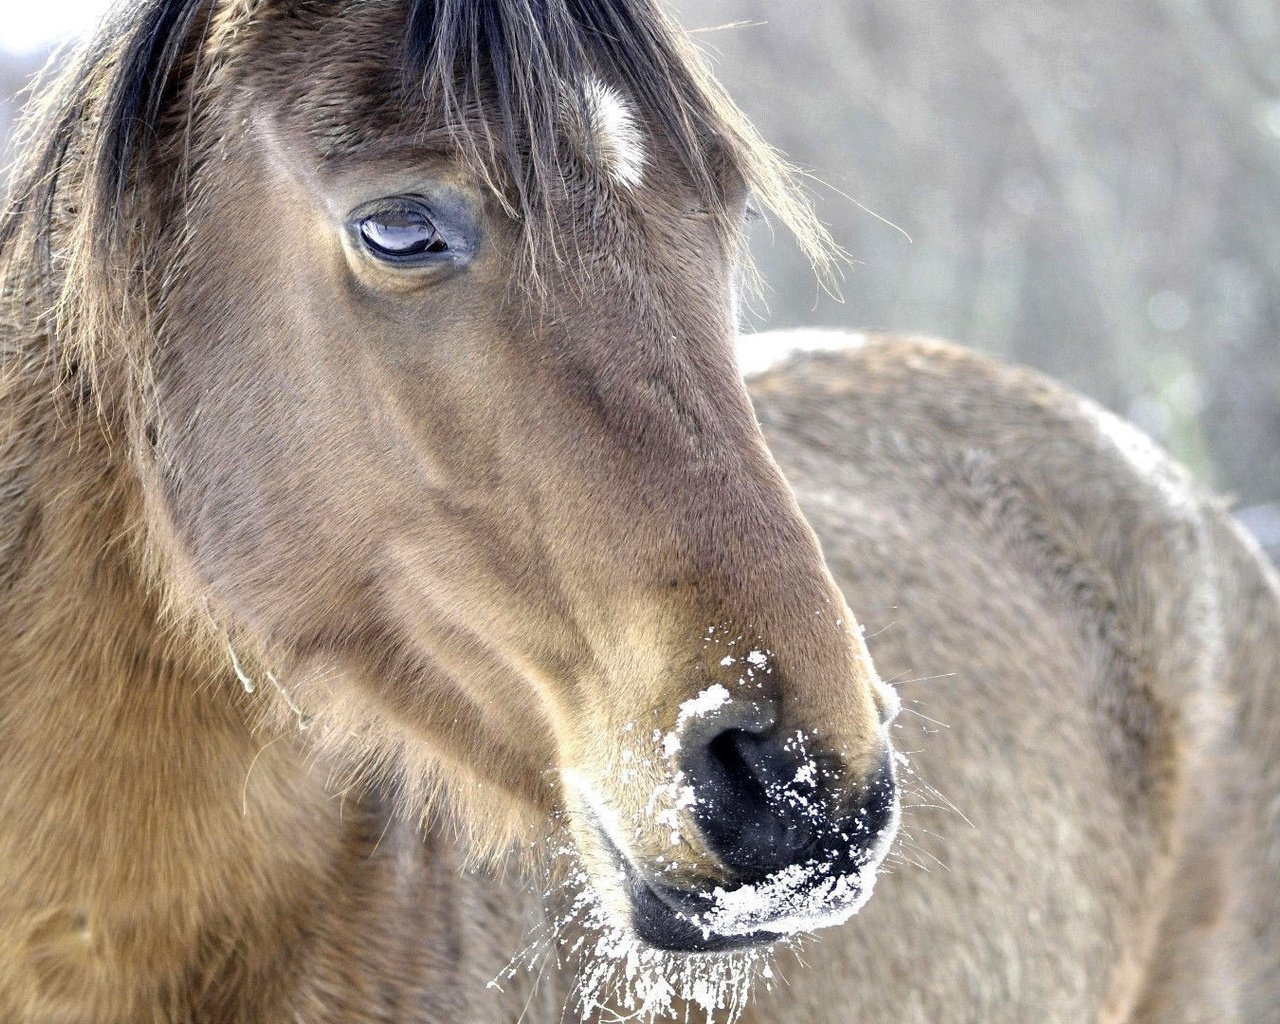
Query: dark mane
{"type": "Point", "coordinates": [520, 63]}
{"type": "Point", "coordinates": [105, 105]}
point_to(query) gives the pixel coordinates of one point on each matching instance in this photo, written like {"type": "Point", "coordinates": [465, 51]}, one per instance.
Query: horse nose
{"type": "Point", "coordinates": [763, 798]}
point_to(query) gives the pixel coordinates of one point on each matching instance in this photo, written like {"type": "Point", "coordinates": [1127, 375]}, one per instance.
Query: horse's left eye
{"type": "Point", "coordinates": [401, 233]}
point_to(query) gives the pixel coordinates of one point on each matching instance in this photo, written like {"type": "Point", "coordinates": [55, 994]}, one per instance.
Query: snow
{"type": "Point", "coordinates": [703, 704]}
{"type": "Point", "coordinates": [800, 898]}
{"type": "Point", "coordinates": [618, 977]}
{"type": "Point", "coordinates": [695, 707]}
{"type": "Point", "coordinates": [304, 720]}
{"type": "Point", "coordinates": [245, 681]}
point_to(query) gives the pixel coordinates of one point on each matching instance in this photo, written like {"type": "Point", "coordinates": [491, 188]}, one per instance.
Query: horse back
{"type": "Point", "coordinates": [1088, 653]}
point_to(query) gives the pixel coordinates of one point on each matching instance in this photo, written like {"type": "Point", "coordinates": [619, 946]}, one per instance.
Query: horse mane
{"type": "Point", "coordinates": [82, 172]}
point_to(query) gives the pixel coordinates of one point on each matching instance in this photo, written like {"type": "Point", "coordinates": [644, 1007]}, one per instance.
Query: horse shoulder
{"type": "Point", "coordinates": [1053, 480]}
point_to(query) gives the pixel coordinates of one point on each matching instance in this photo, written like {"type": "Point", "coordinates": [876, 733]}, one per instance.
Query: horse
{"type": "Point", "coordinates": [404, 613]}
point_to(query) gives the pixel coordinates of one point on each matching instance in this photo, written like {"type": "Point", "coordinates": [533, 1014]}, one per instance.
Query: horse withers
{"type": "Point", "coordinates": [382, 498]}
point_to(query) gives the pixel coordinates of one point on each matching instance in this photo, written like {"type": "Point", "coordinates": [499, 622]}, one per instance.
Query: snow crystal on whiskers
{"type": "Point", "coordinates": [618, 978]}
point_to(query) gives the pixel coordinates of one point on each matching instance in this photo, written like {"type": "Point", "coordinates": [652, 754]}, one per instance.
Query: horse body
{"type": "Point", "coordinates": [1087, 647]}
{"type": "Point", "coordinates": [382, 506]}
{"type": "Point", "coordinates": [1098, 641]}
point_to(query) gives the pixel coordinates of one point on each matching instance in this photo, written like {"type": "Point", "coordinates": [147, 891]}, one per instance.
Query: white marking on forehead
{"type": "Point", "coordinates": [615, 135]}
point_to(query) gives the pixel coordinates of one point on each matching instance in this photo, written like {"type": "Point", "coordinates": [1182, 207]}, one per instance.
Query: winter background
{"type": "Point", "coordinates": [1088, 187]}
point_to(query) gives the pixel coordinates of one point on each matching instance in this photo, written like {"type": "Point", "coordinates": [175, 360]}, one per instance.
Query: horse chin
{"type": "Point", "coordinates": [669, 918]}
{"type": "Point", "coordinates": [803, 898]}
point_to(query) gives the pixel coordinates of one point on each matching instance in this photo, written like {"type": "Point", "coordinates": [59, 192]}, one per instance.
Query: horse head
{"type": "Point", "coordinates": [441, 419]}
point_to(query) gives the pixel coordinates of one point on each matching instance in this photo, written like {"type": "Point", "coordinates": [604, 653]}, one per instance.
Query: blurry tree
{"type": "Point", "coordinates": [15, 72]}
{"type": "Point", "coordinates": [1090, 187]}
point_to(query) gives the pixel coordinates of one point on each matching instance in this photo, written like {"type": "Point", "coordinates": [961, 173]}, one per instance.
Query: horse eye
{"type": "Point", "coordinates": [400, 233]}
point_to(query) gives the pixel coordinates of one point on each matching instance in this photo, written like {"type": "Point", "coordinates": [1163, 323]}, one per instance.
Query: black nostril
{"type": "Point", "coordinates": [740, 772]}
{"type": "Point", "coordinates": [755, 797]}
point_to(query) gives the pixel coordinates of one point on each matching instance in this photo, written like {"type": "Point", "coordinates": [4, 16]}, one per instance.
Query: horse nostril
{"type": "Point", "coordinates": [740, 772]}
{"type": "Point", "coordinates": [754, 790]}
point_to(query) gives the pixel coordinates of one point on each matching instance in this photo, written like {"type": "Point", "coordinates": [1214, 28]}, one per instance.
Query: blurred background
{"type": "Point", "coordinates": [1089, 187]}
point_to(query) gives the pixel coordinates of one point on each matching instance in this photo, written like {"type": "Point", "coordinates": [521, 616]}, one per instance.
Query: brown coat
{"type": "Point", "coordinates": [379, 498]}
{"type": "Point", "coordinates": [1100, 645]}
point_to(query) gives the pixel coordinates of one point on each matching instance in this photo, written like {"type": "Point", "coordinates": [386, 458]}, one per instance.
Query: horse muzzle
{"type": "Point", "coordinates": [797, 851]}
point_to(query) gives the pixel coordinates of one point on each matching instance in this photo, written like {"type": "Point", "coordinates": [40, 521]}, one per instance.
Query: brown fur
{"type": "Point", "coordinates": [473, 532]}
{"type": "Point", "coordinates": [1103, 646]}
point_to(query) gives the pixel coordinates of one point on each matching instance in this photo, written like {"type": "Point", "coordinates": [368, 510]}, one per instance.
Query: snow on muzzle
{"type": "Point", "coordinates": [798, 841]}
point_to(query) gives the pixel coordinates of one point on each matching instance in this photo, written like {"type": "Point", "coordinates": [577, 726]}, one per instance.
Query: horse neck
{"type": "Point", "coordinates": [138, 807]}
{"type": "Point", "coordinates": [143, 823]}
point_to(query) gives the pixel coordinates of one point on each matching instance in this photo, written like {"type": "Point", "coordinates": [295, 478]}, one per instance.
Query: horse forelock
{"type": "Point", "coordinates": [526, 65]}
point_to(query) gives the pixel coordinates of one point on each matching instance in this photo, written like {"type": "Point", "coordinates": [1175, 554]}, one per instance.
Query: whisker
{"type": "Point", "coordinates": [950, 806]}
{"type": "Point", "coordinates": [913, 711]}
{"type": "Point", "coordinates": [244, 791]}
{"type": "Point", "coordinates": [923, 679]}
